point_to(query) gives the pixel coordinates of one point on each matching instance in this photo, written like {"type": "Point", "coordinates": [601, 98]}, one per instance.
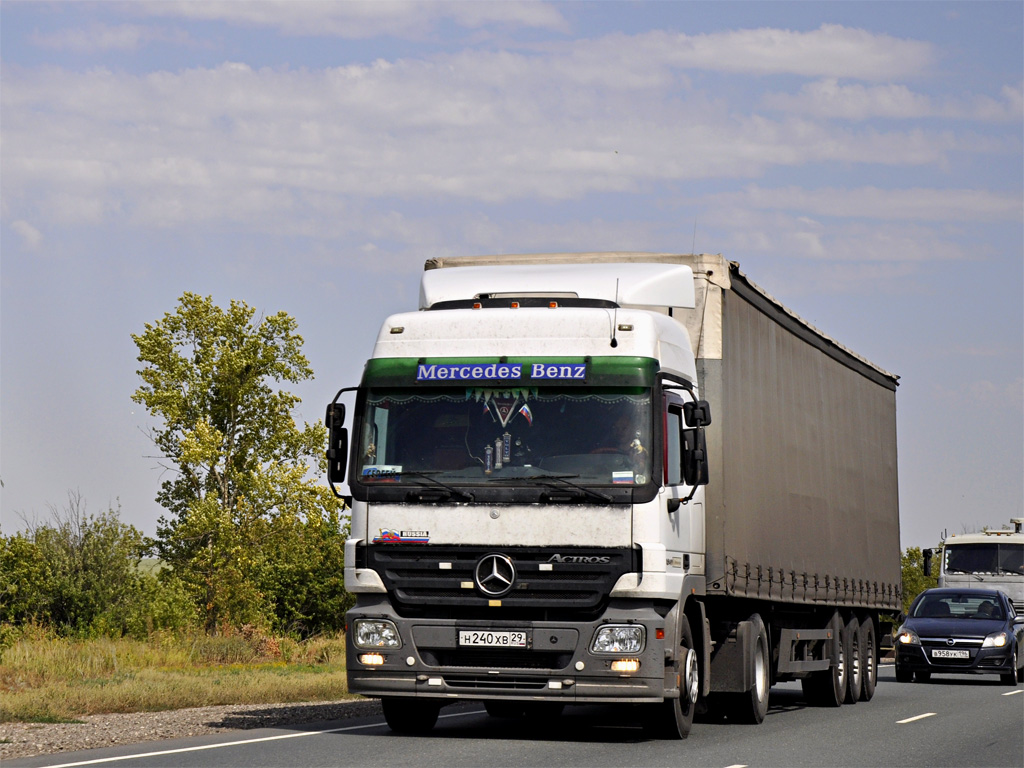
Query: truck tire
{"type": "Point", "coordinates": [673, 718]}
{"type": "Point", "coordinates": [869, 658]}
{"type": "Point", "coordinates": [854, 659]}
{"type": "Point", "coordinates": [413, 716]}
{"type": "Point", "coordinates": [504, 709]}
{"type": "Point", "coordinates": [752, 706]}
{"type": "Point", "coordinates": [828, 687]}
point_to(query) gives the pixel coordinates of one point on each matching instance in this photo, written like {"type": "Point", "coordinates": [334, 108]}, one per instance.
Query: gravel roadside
{"type": "Point", "coordinates": [29, 739]}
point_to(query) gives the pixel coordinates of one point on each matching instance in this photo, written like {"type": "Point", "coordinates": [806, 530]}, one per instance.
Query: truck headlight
{"type": "Point", "coordinates": [996, 640]}
{"type": "Point", "coordinates": [376, 633]}
{"type": "Point", "coordinates": [618, 638]}
{"type": "Point", "coordinates": [908, 637]}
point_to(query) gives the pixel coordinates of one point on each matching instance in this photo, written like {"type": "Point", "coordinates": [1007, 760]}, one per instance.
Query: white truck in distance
{"type": "Point", "coordinates": [993, 558]}
{"type": "Point", "coordinates": [614, 478]}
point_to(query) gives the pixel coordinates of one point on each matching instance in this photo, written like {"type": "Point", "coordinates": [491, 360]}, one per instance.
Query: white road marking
{"type": "Point", "coordinates": [240, 742]}
{"type": "Point", "coordinates": [918, 717]}
{"type": "Point", "coordinates": [1014, 693]}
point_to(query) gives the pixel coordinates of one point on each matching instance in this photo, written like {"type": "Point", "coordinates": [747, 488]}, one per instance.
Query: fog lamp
{"type": "Point", "coordinates": [371, 659]}
{"type": "Point", "coordinates": [625, 665]}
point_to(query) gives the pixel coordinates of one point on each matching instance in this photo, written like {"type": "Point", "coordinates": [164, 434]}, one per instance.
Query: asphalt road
{"type": "Point", "coordinates": [952, 721]}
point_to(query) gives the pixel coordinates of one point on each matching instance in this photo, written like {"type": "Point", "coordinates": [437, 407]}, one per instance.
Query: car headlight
{"type": "Point", "coordinates": [616, 638]}
{"type": "Point", "coordinates": [376, 633]}
{"type": "Point", "coordinates": [907, 637]}
{"type": "Point", "coordinates": [996, 640]}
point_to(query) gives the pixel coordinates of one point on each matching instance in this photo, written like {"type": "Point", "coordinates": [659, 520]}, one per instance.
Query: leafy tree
{"type": "Point", "coordinates": [244, 474]}
{"type": "Point", "coordinates": [914, 580]}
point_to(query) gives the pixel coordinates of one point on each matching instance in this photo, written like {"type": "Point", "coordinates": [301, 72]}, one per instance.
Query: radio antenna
{"type": "Point", "coordinates": [615, 315]}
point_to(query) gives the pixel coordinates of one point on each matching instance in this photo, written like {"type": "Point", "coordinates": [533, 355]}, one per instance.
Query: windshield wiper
{"type": "Point", "coordinates": [564, 480]}
{"type": "Point", "coordinates": [451, 489]}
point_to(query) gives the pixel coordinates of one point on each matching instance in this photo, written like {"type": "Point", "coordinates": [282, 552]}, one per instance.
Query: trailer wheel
{"type": "Point", "coordinates": [413, 716]}
{"type": "Point", "coordinates": [869, 658]}
{"type": "Point", "coordinates": [828, 687]}
{"type": "Point", "coordinates": [854, 659]}
{"type": "Point", "coordinates": [673, 718]}
{"type": "Point", "coordinates": [752, 706]}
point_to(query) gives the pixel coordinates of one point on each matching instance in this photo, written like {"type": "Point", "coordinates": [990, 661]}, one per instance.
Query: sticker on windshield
{"type": "Point", "coordinates": [383, 473]}
{"type": "Point", "coordinates": [619, 478]}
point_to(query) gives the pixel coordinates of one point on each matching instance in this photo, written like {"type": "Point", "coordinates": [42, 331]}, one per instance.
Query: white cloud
{"type": "Point", "coordinates": [30, 236]}
{"type": "Point", "coordinates": [914, 204]}
{"type": "Point", "coordinates": [399, 18]}
{"type": "Point", "coordinates": [102, 37]}
{"type": "Point", "coordinates": [236, 143]}
{"type": "Point", "coordinates": [828, 99]}
{"type": "Point", "coordinates": [829, 51]}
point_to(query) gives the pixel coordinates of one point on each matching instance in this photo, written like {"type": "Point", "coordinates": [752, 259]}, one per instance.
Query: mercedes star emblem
{"type": "Point", "coordinates": [494, 575]}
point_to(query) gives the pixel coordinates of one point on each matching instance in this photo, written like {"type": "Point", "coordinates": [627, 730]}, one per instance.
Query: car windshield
{"type": "Point", "coordinates": [475, 435]}
{"type": "Point", "coordinates": [959, 606]}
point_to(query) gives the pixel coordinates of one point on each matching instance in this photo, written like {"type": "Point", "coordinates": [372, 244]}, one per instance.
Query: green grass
{"type": "Point", "coordinates": [45, 679]}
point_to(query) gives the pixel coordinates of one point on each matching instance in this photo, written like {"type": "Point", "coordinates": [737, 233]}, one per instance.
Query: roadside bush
{"type": "Point", "coordinates": [80, 575]}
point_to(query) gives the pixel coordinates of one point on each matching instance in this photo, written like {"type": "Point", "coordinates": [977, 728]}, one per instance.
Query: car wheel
{"type": "Point", "coordinates": [1010, 678]}
{"type": "Point", "coordinates": [922, 676]}
{"type": "Point", "coordinates": [903, 675]}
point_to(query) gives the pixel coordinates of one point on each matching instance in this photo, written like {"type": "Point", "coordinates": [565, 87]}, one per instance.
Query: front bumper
{"type": "Point", "coordinates": [558, 665]}
{"type": "Point", "coordinates": [980, 661]}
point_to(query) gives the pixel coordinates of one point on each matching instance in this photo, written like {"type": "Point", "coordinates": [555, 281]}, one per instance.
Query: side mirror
{"type": "Point", "coordinates": [928, 555]}
{"type": "Point", "coordinates": [697, 414]}
{"type": "Point", "coordinates": [695, 457]}
{"type": "Point", "coordinates": [337, 443]}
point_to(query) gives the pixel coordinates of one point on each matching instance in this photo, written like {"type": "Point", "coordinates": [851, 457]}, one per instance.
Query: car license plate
{"type": "Point", "coordinates": [945, 653]}
{"type": "Point", "coordinates": [487, 638]}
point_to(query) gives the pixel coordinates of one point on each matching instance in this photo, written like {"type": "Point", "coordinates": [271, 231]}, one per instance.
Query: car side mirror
{"type": "Point", "coordinates": [337, 443]}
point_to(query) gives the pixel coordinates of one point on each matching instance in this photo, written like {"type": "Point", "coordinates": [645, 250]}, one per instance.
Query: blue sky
{"type": "Point", "coordinates": [862, 161]}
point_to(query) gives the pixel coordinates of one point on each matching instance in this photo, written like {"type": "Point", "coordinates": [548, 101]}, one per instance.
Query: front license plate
{"type": "Point", "coordinates": [493, 639]}
{"type": "Point", "coordinates": [943, 653]}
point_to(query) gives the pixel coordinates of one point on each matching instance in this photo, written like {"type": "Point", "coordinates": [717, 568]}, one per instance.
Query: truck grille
{"type": "Point", "coordinates": [438, 580]}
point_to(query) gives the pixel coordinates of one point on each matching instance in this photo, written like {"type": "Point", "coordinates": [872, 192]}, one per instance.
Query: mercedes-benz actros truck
{"type": "Point", "coordinates": [625, 478]}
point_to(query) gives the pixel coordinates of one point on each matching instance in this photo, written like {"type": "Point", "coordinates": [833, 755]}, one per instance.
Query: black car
{"type": "Point", "coordinates": [961, 631]}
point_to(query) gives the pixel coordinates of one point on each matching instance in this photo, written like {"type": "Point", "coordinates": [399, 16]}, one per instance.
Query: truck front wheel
{"type": "Point", "coordinates": [414, 716]}
{"type": "Point", "coordinates": [673, 718]}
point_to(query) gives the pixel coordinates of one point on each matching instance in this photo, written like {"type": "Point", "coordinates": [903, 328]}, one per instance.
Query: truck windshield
{"type": "Point", "coordinates": [475, 436]}
{"type": "Point", "coordinates": [985, 558]}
